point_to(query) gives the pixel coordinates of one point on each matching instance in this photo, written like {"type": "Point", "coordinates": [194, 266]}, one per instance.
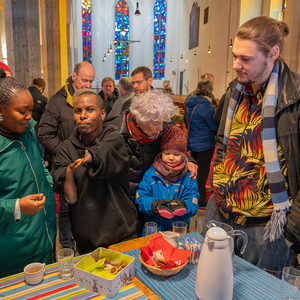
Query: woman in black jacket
{"type": "Point", "coordinates": [142, 126]}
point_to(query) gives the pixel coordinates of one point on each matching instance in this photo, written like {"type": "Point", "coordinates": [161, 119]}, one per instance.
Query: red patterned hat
{"type": "Point", "coordinates": [173, 138]}
{"type": "Point", "coordinates": [5, 67]}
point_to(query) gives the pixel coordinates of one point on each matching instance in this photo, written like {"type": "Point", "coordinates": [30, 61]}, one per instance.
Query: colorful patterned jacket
{"type": "Point", "coordinates": [288, 136]}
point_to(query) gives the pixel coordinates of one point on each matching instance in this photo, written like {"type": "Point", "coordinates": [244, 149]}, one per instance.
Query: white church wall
{"type": "Point", "coordinates": [214, 33]}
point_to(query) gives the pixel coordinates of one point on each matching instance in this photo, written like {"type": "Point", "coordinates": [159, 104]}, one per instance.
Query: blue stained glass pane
{"type": "Point", "coordinates": [121, 21]}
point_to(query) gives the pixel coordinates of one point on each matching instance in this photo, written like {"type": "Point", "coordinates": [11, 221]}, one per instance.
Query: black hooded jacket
{"type": "Point", "coordinates": [104, 213]}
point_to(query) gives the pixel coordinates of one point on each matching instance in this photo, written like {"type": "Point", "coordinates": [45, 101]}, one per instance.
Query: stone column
{"type": "Point", "coordinates": [47, 11]}
{"type": "Point", "coordinates": [22, 39]}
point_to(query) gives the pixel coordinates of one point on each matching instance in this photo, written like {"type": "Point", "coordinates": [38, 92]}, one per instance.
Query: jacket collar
{"type": "Point", "coordinates": [35, 89]}
{"type": "Point", "coordinates": [70, 92]}
{"type": "Point", "coordinates": [288, 87]}
{"type": "Point", "coordinates": [75, 137]}
{"type": "Point", "coordinates": [194, 99]}
{"type": "Point", "coordinates": [114, 95]}
{"type": "Point", "coordinates": [5, 141]}
{"type": "Point", "coordinates": [123, 128]}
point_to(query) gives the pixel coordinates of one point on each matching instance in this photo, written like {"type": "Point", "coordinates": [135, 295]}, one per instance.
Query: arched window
{"type": "Point", "coordinates": [159, 40]}
{"type": "Point", "coordinates": [283, 10]}
{"type": "Point", "coordinates": [86, 30]}
{"type": "Point", "coordinates": [121, 39]}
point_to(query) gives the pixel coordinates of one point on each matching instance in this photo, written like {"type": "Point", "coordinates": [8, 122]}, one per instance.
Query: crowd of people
{"type": "Point", "coordinates": [117, 160]}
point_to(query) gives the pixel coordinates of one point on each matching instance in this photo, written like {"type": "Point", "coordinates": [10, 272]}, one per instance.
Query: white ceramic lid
{"type": "Point", "coordinates": [217, 234]}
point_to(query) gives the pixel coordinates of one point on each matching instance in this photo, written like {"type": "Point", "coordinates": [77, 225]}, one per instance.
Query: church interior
{"type": "Point", "coordinates": [177, 39]}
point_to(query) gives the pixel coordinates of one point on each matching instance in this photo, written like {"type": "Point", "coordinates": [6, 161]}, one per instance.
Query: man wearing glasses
{"type": "Point", "coordinates": [141, 80]}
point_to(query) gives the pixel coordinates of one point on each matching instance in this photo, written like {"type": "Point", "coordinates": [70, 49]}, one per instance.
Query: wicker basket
{"type": "Point", "coordinates": [162, 272]}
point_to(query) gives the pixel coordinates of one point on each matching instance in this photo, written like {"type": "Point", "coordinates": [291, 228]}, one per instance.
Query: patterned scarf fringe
{"type": "Point", "coordinates": [274, 228]}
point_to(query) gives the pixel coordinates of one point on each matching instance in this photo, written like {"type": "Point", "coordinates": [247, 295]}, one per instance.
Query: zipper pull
{"type": "Point", "coordinates": [23, 147]}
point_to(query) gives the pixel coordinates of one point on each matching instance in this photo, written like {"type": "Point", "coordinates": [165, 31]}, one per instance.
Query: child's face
{"type": "Point", "coordinates": [171, 157]}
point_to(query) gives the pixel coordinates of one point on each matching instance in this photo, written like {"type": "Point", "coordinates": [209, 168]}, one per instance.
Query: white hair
{"type": "Point", "coordinates": [152, 106]}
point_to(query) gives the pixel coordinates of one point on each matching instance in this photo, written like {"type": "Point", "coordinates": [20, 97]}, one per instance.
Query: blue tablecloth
{"type": "Point", "coordinates": [249, 281]}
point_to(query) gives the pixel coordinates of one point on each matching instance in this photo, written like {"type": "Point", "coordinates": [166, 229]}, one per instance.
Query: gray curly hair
{"type": "Point", "coordinates": [152, 106]}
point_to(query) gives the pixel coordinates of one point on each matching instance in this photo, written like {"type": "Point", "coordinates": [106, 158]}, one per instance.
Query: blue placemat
{"type": "Point", "coordinates": [249, 281]}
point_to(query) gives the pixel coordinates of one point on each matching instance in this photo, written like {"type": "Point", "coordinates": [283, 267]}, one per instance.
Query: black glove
{"type": "Point", "coordinates": [178, 207]}
{"type": "Point", "coordinates": [161, 207]}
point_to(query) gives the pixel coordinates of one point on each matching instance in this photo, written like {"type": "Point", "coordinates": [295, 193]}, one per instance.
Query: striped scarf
{"type": "Point", "coordinates": [274, 228]}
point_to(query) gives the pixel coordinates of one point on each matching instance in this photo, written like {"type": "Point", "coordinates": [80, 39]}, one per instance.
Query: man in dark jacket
{"type": "Point", "coordinates": [109, 93]}
{"type": "Point", "coordinates": [36, 90]}
{"type": "Point", "coordinates": [101, 210]}
{"type": "Point", "coordinates": [256, 173]}
{"type": "Point", "coordinates": [57, 125]}
{"type": "Point", "coordinates": [126, 94]}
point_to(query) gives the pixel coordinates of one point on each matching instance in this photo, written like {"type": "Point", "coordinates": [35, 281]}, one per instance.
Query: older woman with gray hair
{"type": "Point", "coordinates": [142, 126]}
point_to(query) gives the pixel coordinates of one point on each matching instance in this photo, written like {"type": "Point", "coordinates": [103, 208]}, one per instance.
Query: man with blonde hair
{"type": "Point", "coordinates": [256, 173]}
{"type": "Point", "coordinates": [109, 93]}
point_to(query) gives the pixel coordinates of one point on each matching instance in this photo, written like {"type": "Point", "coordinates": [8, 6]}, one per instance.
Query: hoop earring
{"type": "Point", "coordinates": [1, 119]}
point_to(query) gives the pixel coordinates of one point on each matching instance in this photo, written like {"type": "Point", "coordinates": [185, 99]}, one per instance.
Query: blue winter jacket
{"type": "Point", "coordinates": [152, 186]}
{"type": "Point", "coordinates": [203, 127]}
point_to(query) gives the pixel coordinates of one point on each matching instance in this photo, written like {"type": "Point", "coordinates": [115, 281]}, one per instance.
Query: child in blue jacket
{"type": "Point", "coordinates": [166, 193]}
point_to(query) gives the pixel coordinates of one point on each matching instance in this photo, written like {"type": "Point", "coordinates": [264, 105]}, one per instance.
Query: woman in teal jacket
{"type": "Point", "coordinates": [27, 204]}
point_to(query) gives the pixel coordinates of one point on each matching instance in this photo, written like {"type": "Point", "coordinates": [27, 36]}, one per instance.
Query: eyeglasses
{"type": "Point", "coordinates": [139, 82]}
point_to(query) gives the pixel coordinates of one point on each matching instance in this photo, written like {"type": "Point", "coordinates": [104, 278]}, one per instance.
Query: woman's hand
{"type": "Point", "coordinates": [193, 169]}
{"type": "Point", "coordinates": [32, 204]}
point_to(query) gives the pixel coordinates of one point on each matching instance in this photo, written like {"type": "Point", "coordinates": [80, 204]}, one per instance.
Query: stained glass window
{"type": "Point", "coordinates": [159, 39]}
{"type": "Point", "coordinates": [86, 30]}
{"type": "Point", "coordinates": [283, 10]}
{"type": "Point", "coordinates": [121, 39]}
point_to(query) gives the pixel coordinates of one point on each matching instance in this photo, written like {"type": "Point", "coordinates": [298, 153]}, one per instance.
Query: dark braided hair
{"type": "Point", "coordinates": [9, 87]}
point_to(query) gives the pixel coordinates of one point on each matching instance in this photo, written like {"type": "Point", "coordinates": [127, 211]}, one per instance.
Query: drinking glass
{"type": "Point", "coordinates": [180, 227]}
{"type": "Point", "coordinates": [290, 284]}
{"type": "Point", "coordinates": [65, 258]}
{"type": "Point", "coordinates": [150, 228]}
